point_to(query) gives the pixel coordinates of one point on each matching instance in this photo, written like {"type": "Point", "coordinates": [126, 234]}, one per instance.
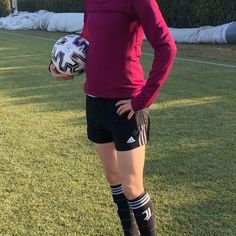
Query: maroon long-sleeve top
{"type": "Point", "coordinates": [115, 31]}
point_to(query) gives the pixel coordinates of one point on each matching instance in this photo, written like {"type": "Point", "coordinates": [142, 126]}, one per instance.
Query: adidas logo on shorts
{"type": "Point", "coordinates": [131, 140]}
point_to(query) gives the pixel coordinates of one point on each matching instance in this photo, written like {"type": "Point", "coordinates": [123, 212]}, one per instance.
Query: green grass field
{"type": "Point", "coordinates": [51, 182]}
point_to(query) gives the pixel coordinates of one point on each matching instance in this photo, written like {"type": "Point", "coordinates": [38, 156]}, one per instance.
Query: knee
{"type": "Point", "coordinates": [132, 191]}
{"type": "Point", "coordinates": [112, 177]}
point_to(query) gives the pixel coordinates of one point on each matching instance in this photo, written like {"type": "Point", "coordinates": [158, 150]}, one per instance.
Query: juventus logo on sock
{"type": "Point", "coordinates": [116, 206]}
{"type": "Point", "coordinates": [148, 214]}
{"type": "Point", "coordinates": [142, 208]}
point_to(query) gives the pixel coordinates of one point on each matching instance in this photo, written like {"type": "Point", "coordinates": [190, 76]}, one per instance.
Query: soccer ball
{"type": "Point", "coordinates": [69, 54]}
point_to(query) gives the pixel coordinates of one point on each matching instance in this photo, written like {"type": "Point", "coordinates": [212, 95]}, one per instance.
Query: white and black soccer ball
{"type": "Point", "coordinates": [69, 54]}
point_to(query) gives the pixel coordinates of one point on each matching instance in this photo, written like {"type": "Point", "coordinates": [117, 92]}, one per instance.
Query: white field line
{"type": "Point", "coordinates": [144, 53]}
{"type": "Point", "coordinates": [27, 36]}
{"type": "Point", "coordinates": [197, 61]}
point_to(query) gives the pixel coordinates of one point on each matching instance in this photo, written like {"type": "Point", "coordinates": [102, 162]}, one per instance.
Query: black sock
{"type": "Point", "coordinates": [143, 212]}
{"type": "Point", "coordinates": [126, 215]}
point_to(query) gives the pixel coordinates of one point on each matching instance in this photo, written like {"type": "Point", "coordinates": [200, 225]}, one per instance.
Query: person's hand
{"type": "Point", "coordinates": [125, 106]}
{"type": "Point", "coordinates": [58, 75]}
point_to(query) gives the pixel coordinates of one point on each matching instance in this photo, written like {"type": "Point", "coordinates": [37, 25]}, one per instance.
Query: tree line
{"type": "Point", "coordinates": [177, 13]}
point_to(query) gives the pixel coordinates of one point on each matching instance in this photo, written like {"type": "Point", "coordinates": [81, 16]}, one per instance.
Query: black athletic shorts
{"type": "Point", "coordinates": [105, 126]}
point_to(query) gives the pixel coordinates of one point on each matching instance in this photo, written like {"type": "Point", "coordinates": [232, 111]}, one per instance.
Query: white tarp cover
{"type": "Point", "coordinates": [64, 22]}
{"type": "Point", "coordinates": [73, 22]}
{"type": "Point", "coordinates": [230, 32]}
{"type": "Point", "coordinates": [206, 34]}
{"type": "Point", "coordinates": [23, 20]}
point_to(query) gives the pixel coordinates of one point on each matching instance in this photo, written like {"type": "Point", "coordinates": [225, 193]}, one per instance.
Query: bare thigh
{"type": "Point", "coordinates": [123, 167]}
{"type": "Point", "coordinates": [108, 156]}
{"type": "Point", "coordinates": [130, 166]}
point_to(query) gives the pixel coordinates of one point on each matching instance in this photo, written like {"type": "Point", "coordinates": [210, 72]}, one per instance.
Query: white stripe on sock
{"type": "Point", "coordinates": [140, 203]}
{"type": "Point", "coordinates": [117, 190]}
